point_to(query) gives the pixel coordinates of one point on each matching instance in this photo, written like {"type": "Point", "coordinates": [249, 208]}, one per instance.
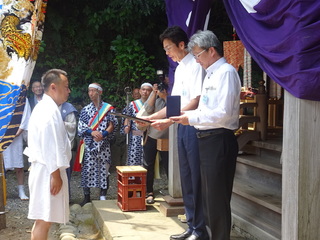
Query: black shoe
{"type": "Point", "coordinates": [193, 237]}
{"type": "Point", "coordinates": [85, 200]}
{"type": "Point", "coordinates": [180, 236]}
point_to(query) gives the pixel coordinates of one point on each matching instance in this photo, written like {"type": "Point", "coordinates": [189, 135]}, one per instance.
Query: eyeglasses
{"type": "Point", "coordinates": [198, 55]}
{"type": "Point", "coordinates": [167, 48]}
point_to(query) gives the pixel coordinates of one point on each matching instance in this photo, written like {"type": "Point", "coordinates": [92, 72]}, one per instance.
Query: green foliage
{"type": "Point", "coordinates": [78, 37]}
{"type": "Point", "coordinates": [132, 65]}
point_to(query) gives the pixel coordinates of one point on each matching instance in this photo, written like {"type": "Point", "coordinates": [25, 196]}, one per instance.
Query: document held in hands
{"type": "Point", "coordinates": [173, 106]}
{"type": "Point", "coordinates": [130, 117]}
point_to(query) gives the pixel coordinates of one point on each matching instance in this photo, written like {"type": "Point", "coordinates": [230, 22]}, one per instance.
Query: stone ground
{"type": "Point", "coordinates": [18, 227]}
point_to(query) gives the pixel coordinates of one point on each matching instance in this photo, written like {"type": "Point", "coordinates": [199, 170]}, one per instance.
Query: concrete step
{"type": "Point", "coordinates": [138, 225]}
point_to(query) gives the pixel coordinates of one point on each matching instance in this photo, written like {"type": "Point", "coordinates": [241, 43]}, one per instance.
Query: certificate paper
{"type": "Point", "coordinates": [131, 117]}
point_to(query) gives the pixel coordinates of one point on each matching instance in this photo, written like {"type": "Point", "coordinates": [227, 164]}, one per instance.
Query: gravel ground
{"type": "Point", "coordinates": [18, 227]}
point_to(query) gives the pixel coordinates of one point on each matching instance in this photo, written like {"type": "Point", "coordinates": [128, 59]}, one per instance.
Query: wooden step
{"type": "Point", "coordinates": [258, 193]}
{"type": "Point", "coordinates": [272, 144]}
{"type": "Point", "coordinates": [247, 136]}
{"type": "Point", "coordinates": [260, 222]}
{"type": "Point", "coordinates": [248, 104]}
{"type": "Point", "coordinates": [250, 231]}
{"type": "Point", "coordinates": [270, 164]}
{"type": "Point", "coordinates": [270, 147]}
{"type": "Point", "coordinates": [257, 208]}
{"type": "Point", "coordinates": [245, 119]}
{"type": "Point", "coordinates": [260, 171]}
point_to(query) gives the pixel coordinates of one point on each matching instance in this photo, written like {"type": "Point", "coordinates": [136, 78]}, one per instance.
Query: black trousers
{"type": "Point", "coordinates": [149, 158]}
{"type": "Point", "coordinates": [218, 153]}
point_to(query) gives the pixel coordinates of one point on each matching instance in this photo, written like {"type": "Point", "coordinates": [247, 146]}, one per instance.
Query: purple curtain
{"type": "Point", "coordinates": [283, 37]}
{"type": "Point", "coordinates": [178, 11]}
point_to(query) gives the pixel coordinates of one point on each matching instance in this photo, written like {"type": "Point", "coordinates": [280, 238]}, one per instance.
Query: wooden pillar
{"type": "Point", "coordinates": [174, 183]}
{"type": "Point", "coordinates": [262, 111]}
{"type": "Point", "coordinates": [2, 209]}
{"type": "Point", "coordinates": [173, 204]}
{"type": "Point", "coordinates": [301, 169]}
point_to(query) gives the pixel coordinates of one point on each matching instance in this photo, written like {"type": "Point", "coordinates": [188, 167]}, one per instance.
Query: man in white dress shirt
{"type": "Point", "coordinates": [215, 119]}
{"type": "Point", "coordinates": [187, 84]}
{"type": "Point", "coordinates": [49, 154]}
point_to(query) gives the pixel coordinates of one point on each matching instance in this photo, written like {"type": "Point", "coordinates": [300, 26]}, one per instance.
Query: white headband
{"type": "Point", "coordinates": [93, 85]}
{"type": "Point", "coordinates": [146, 85]}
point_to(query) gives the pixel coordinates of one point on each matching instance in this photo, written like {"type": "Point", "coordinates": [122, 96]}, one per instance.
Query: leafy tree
{"type": "Point", "coordinates": [83, 38]}
{"type": "Point", "coordinates": [132, 66]}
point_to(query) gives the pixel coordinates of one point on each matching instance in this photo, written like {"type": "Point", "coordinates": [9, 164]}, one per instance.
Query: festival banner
{"type": "Point", "coordinates": [21, 30]}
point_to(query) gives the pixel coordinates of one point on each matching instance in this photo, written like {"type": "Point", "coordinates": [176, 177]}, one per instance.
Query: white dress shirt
{"type": "Point", "coordinates": [188, 79]}
{"type": "Point", "coordinates": [220, 99]}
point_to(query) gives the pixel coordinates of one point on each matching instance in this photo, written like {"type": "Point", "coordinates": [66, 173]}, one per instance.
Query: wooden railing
{"type": "Point", "coordinates": [253, 118]}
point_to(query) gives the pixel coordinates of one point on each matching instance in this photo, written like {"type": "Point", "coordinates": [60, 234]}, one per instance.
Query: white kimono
{"type": "Point", "coordinates": [49, 150]}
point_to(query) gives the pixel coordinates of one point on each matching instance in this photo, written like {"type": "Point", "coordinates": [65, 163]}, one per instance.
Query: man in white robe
{"type": "Point", "coordinates": [49, 154]}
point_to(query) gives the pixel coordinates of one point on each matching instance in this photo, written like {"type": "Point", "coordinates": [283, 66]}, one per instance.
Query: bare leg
{"type": "Point", "coordinates": [20, 175]}
{"type": "Point", "coordinates": [40, 230]}
{"type": "Point", "coordinates": [20, 178]}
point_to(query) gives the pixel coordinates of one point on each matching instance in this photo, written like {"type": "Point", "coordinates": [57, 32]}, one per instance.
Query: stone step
{"type": "Point", "coordinates": [115, 224]}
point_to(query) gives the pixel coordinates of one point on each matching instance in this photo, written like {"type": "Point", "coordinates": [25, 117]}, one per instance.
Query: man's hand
{"type": "Point", "coordinates": [127, 129]}
{"type": "Point", "coordinates": [183, 119]}
{"type": "Point", "coordinates": [161, 124]}
{"type": "Point", "coordinates": [155, 87]}
{"type": "Point", "coordinates": [97, 136]}
{"type": "Point", "coordinates": [56, 182]}
{"type": "Point", "coordinates": [141, 123]}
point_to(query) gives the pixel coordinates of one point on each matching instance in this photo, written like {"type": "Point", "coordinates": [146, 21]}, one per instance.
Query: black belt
{"type": "Point", "coordinates": [209, 132]}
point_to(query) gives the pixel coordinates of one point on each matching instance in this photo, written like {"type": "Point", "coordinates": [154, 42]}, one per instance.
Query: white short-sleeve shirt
{"type": "Point", "coordinates": [188, 79]}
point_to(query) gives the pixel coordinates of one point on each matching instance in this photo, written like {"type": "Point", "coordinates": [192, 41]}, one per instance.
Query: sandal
{"type": "Point", "coordinates": [150, 198]}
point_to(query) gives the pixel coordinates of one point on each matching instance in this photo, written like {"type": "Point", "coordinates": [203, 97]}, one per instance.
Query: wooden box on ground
{"type": "Point", "coordinates": [131, 188]}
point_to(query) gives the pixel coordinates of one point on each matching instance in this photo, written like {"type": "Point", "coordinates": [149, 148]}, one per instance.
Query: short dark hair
{"type": "Point", "coordinates": [52, 76]}
{"type": "Point", "coordinates": [175, 34]}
